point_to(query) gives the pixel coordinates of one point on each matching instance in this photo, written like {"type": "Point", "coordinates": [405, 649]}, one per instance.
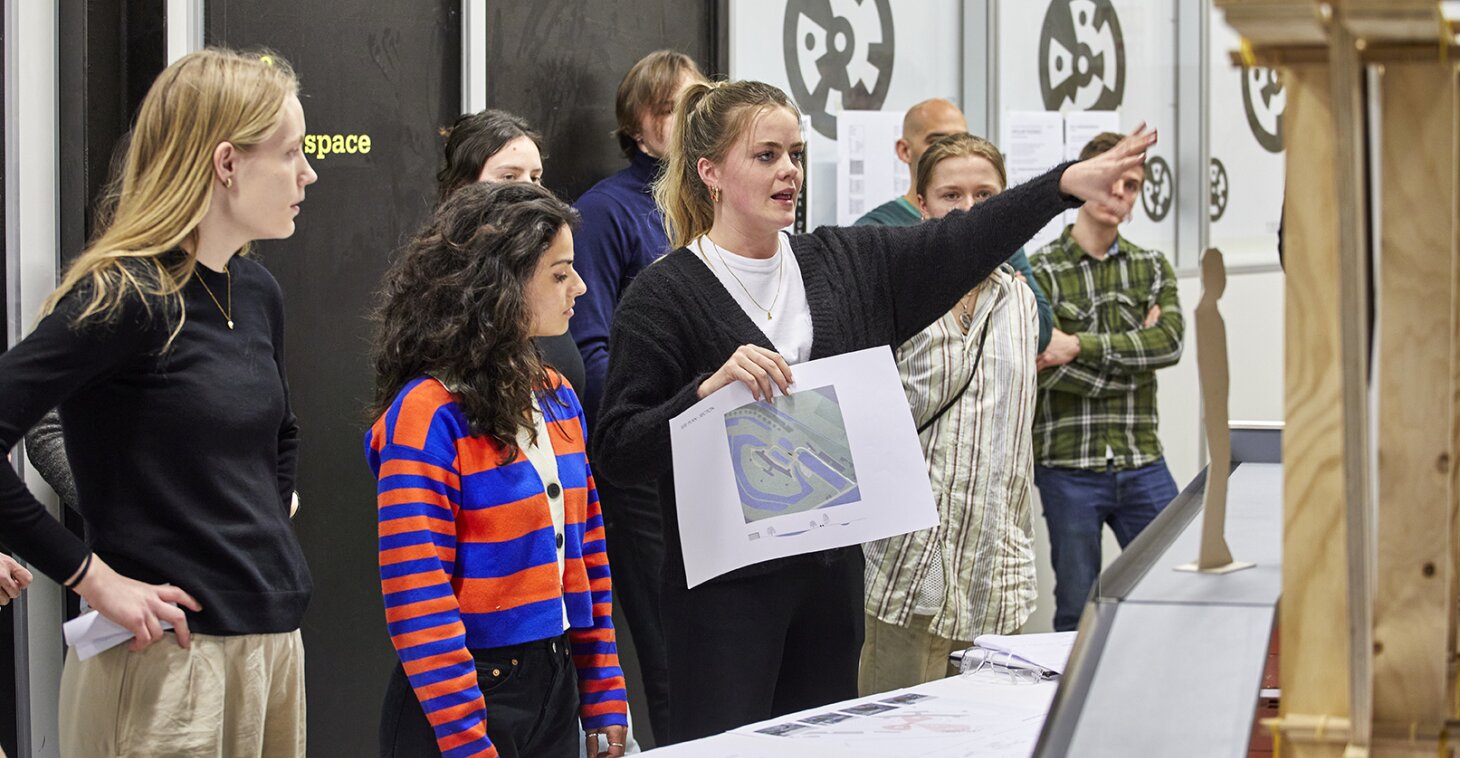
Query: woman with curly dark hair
{"type": "Point", "coordinates": [492, 557]}
{"type": "Point", "coordinates": [497, 146]}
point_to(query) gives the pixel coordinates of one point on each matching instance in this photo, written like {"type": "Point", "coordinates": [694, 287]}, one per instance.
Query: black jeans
{"type": "Point", "coordinates": [747, 648]}
{"type": "Point", "coordinates": [634, 533]}
{"type": "Point", "coordinates": [531, 691]}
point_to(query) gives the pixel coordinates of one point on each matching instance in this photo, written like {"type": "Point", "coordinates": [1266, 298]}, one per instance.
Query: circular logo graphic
{"type": "Point", "coordinates": [1159, 189]}
{"type": "Point", "coordinates": [1264, 99]}
{"type": "Point", "coordinates": [838, 57]}
{"type": "Point", "coordinates": [1081, 56]}
{"type": "Point", "coordinates": [1218, 190]}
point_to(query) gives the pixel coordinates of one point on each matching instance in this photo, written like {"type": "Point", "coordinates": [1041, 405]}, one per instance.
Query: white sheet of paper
{"type": "Point", "coordinates": [92, 633]}
{"type": "Point", "coordinates": [1050, 650]}
{"type": "Point", "coordinates": [957, 717]}
{"type": "Point", "coordinates": [1083, 126]}
{"type": "Point", "coordinates": [1033, 143]}
{"type": "Point", "coordinates": [835, 463]}
{"type": "Point", "coordinates": [868, 171]}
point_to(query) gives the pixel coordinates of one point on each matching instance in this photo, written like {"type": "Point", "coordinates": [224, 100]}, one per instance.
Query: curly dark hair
{"type": "Point", "coordinates": [454, 306]}
{"type": "Point", "coordinates": [473, 140]}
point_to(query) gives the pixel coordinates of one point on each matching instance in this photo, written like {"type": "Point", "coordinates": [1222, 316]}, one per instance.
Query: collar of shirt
{"type": "Point", "coordinates": [1077, 253]}
{"type": "Point", "coordinates": [644, 167]}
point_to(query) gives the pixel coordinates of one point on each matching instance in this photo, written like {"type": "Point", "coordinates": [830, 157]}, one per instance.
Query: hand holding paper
{"type": "Point", "coordinates": [138, 607]}
{"type": "Point", "coordinates": [754, 366]}
{"type": "Point", "coordinates": [834, 463]}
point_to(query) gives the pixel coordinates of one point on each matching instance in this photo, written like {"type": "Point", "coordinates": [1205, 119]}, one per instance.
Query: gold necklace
{"type": "Point", "coordinates": [780, 278]}
{"type": "Point", "coordinates": [227, 314]}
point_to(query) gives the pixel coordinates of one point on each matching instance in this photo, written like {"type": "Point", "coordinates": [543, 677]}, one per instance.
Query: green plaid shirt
{"type": "Point", "coordinates": [1102, 405]}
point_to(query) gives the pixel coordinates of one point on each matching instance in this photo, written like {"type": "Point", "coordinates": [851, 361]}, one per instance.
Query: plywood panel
{"type": "Point", "coordinates": [1413, 601]}
{"type": "Point", "coordinates": [1315, 573]}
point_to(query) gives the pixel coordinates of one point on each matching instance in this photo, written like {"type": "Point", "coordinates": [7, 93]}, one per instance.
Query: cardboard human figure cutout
{"type": "Point", "coordinates": [1211, 362]}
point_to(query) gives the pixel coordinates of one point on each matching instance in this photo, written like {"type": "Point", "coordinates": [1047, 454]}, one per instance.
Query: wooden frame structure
{"type": "Point", "coordinates": [1371, 538]}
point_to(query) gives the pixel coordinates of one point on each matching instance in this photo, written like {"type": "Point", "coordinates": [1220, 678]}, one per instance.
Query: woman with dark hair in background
{"type": "Point", "coordinates": [163, 346]}
{"type": "Point", "coordinates": [492, 562]}
{"type": "Point", "coordinates": [497, 146]}
{"type": "Point", "coordinates": [622, 233]}
{"type": "Point", "coordinates": [738, 301]}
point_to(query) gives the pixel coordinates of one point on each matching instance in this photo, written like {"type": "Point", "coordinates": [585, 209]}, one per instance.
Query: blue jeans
{"type": "Point", "coordinates": [1077, 505]}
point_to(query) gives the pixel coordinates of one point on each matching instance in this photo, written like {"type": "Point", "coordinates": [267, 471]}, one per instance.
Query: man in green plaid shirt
{"type": "Point", "coordinates": [1117, 320]}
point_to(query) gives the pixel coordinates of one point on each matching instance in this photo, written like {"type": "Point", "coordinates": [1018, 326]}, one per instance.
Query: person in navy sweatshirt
{"type": "Point", "coordinates": [622, 232]}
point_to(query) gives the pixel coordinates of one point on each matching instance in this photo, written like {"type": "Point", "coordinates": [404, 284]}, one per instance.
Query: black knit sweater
{"type": "Point", "coordinates": [865, 285]}
{"type": "Point", "coordinates": [184, 458]}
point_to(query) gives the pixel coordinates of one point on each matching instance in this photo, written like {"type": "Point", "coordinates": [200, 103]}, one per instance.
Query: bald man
{"type": "Point", "coordinates": [923, 124]}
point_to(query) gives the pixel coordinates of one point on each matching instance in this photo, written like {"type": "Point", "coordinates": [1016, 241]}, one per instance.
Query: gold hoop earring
{"type": "Point", "coordinates": [228, 182]}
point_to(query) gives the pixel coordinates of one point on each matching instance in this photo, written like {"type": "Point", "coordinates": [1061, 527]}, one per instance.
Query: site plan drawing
{"type": "Point", "coordinates": [832, 462]}
{"type": "Point", "coordinates": [791, 455]}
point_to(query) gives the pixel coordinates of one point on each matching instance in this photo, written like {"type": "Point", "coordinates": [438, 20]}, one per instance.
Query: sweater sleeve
{"type": "Point", "coordinates": [36, 375]}
{"type": "Point", "coordinates": [288, 425]}
{"type": "Point", "coordinates": [929, 266]}
{"type": "Point", "coordinates": [599, 259]}
{"type": "Point", "coordinates": [631, 442]}
{"type": "Point", "coordinates": [602, 693]}
{"type": "Point", "coordinates": [46, 450]}
{"type": "Point", "coordinates": [417, 501]}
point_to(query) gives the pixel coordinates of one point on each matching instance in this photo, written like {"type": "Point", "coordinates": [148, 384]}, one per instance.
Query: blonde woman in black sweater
{"type": "Point", "coordinates": [738, 301]}
{"type": "Point", "coordinates": [163, 347]}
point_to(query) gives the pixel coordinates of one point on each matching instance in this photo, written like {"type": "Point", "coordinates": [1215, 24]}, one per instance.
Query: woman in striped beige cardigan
{"type": "Point", "coordinates": [969, 377]}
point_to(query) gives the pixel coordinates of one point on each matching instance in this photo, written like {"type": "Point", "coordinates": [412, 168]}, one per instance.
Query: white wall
{"type": "Point", "coordinates": [30, 239]}
{"type": "Point", "coordinates": [1253, 309]}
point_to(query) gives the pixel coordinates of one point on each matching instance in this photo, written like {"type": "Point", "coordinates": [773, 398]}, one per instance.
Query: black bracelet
{"type": "Point", "coordinates": [81, 573]}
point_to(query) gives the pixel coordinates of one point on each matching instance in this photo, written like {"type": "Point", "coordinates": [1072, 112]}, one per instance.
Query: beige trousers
{"type": "Point", "coordinates": [223, 697]}
{"type": "Point", "coordinates": [896, 656]}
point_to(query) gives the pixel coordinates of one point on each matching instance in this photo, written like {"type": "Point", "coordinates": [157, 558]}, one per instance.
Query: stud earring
{"type": "Point", "coordinates": [228, 182]}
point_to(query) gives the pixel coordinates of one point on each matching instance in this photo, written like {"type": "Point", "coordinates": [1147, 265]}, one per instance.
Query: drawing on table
{"type": "Point", "coordinates": [827, 718]}
{"type": "Point", "coordinates": [905, 698]}
{"type": "Point", "coordinates": [791, 455]}
{"type": "Point", "coordinates": [781, 730]}
{"type": "Point", "coordinates": [867, 709]}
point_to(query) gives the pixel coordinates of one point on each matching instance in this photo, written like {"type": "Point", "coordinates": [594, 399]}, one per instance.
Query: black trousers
{"type": "Point", "coordinates": [747, 648]}
{"type": "Point", "coordinates": [531, 692]}
{"type": "Point", "coordinates": [634, 533]}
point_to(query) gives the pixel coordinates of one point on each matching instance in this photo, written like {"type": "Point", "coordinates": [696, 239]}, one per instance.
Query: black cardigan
{"type": "Point", "coordinates": [865, 285]}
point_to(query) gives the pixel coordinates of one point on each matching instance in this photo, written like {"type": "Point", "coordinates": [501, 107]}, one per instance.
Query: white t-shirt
{"type": "Point", "coordinates": [758, 285]}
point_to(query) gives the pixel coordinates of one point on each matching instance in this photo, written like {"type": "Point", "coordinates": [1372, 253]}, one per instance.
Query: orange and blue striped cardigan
{"type": "Point", "coordinates": [468, 558]}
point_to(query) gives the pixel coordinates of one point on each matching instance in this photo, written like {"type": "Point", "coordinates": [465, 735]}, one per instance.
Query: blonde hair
{"type": "Point", "coordinates": [958, 145]}
{"type": "Point", "coordinates": [167, 181]}
{"type": "Point", "coordinates": [709, 118]}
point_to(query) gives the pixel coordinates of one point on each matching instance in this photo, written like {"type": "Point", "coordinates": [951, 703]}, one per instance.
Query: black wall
{"type": "Point", "coordinates": [558, 64]}
{"type": "Point", "coordinates": [392, 71]}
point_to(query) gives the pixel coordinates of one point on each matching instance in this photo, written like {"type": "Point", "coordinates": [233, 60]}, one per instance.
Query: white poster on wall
{"type": "Point", "coordinates": [1033, 143]}
{"type": "Point", "coordinates": [1110, 56]}
{"type": "Point", "coordinates": [835, 463]}
{"type": "Point", "coordinates": [868, 171]}
{"type": "Point", "coordinates": [1083, 126]}
{"type": "Point", "coordinates": [1245, 129]}
{"type": "Point", "coordinates": [832, 56]}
